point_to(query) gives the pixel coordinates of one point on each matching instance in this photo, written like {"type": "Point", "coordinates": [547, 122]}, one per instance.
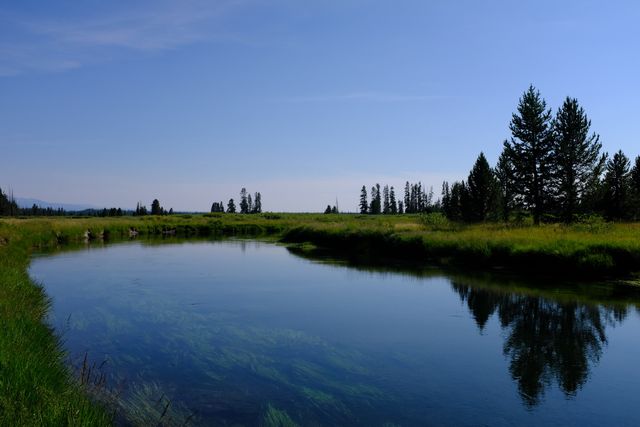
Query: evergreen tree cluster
{"type": "Point", "coordinates": [217, 207]}
{"type": "Point", "coordinates": [156, 209]}
{"type": "Point", "coordinates": [416, 200]}
{"type": "Point", "coordinates": [473, 200]}
{"type": "Point", "coordinates": [552, 168]}
{"type": "Point", "coordinates": [248, 204]}
{"type": "Point", "coordinates": [8, 205]}
{"type": "Point", "coordinates": [331, 209]}
{"type": "Point", "coordinates": [111, 212]}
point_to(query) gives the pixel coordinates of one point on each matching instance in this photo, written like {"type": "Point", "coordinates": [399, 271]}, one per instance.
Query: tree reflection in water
{"type": "Point", "coordinates": [547, 340]}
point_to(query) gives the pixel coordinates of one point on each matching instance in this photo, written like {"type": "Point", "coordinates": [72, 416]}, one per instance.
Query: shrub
{"type": "Point", "coordinates": [436, 221]}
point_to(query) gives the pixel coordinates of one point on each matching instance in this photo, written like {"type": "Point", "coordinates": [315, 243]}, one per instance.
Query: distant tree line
{"type": "Point", "coordinates": [416, 200]}
{"type": "Point", "coordinates": [248, 204]}
{"type": "Point", "coordinates": [8, 205]}
{"type": "Point", "coordinates": [156, 209]}
{"type": "Point", "coordinates": [332, 209]}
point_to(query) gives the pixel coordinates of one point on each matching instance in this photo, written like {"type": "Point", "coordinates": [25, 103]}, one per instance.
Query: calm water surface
{"type": "Point", "coordinates": [247, 333]}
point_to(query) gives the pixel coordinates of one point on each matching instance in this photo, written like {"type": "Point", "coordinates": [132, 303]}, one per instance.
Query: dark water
{"type": "Point", "coordinates": [247, 333]}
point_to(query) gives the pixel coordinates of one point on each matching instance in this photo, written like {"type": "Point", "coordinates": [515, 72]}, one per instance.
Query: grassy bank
{"type": "Point", "coordinates": [37, 389]}
{"type": "Point", "coordinates": [582, 250]}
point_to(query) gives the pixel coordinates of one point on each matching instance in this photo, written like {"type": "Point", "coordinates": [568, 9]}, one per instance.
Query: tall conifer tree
{"type": "Point", "coordinates": [531, 148]}
{"type": "Point", "coordinates": [386, 207]}
{"type": "Point", "coordinates": [393, 207]}
{"type": "Point", "coordinates": [481, 188]}
{"type": "Point", "coordinates": [364, 204]}
{"type": "Point", "coordinates": [576, 156]}
{"type": "Point", "coordinates": [616, 183]}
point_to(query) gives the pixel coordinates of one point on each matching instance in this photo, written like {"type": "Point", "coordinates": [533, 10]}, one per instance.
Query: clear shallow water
{"type": "Point", "coordinates": [247, 333]}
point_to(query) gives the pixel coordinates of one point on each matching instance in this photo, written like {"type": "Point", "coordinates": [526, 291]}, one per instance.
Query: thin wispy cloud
{"type": "Point", "coordinates": [59, 45]}
{"type": "Point", "coordinates": [361, 96]}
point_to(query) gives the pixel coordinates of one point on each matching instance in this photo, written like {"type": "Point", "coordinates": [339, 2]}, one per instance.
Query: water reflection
{"type": "Point", "coordinates": [546, 340]}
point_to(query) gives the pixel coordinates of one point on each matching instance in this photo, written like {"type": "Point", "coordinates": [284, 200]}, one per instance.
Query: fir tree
{"type": "Point", "coordinates": [231, 206]}
{"type": "Point", "coordinates": [635, 189]}
{"type": "Point", "coordinates": [244, 204]}
{"type": "Point", "coordinates": [364, 204]}
{"type": "Point", "coordinates": [386, 207]}
{"type": "Point", "coordinates": [155, 207]}
{"type": "Point", "coordinates": [576, 156]}
{"type": "Point", "coordinates": [407, 197]}
{"type": "Point", "coordinates": [393, 207]}
{"type": "Point", "coordinates": [617, 182]}
{"type": "Point", "coordinates": [481, 188]}
{"type": "Point", "coordinates": [505, 176]}
{"type": "Point", "coordinates": [445, 198]}
{"type": "Point", "coordinates": [8, 205]}
{"type": "Point", "coordinates": [531, 150]}
{"type": "Point", "coordinates": [376, 200]}
{"type": "Point", "coordinates": [257, 203]}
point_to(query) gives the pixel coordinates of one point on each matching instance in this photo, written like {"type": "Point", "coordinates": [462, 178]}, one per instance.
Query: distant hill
{"type": "Point", "coordinates": [27, 203]}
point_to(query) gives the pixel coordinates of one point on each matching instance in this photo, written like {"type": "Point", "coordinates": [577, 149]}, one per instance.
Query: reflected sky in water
{"type": "Point", "coordinates": [249, 333]}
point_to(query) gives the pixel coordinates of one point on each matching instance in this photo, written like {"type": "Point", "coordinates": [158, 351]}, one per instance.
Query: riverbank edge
{"type": "Point", "coordinates": [36, 387]}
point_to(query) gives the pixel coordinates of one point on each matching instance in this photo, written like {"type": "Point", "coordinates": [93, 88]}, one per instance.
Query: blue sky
{"type": "Point", "coordinates": [110, 103]}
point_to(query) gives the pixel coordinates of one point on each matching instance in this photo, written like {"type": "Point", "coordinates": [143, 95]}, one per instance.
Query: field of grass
{"type": "Point", "coordinates": [37, 389]}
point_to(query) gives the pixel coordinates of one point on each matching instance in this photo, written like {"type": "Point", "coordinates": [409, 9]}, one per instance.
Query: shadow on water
{"type": "Point", "coordinates": [554, 331]}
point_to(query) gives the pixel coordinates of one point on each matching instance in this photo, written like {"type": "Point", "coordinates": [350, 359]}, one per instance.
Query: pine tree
{"type": "Point", "coordinates": [407, 197]}
{"type": "Point", "coordinates": [400, 208]}
{"type": "Point", "coordinates": [635, 189]}
{"type": "Point", "coordinates": [249, 204]}
{"type": "Point", "coordinates": [386, 207]}
{"type": "Point", "coordinates": [257, 203]}
{"type": "Point", "coordinates": [8, 206]}
{"type": "Point", "coordinates": [505, 176]}
{"type": "Point", "coordinates": [364, 204]}
{"type": "Point", "coordinates": [428, 200]}
{"type": "Point", "coordinates": [376, 200]}
{"type": "Point", "coordinates": [531, 150]}
{"type": "Point", "coordinates": [393, 207]}
{"type": "Point", "coordinates": [576, 156]}
{"type": "Point", "coordinates": [328, 209]}
{"type": "Point", "coordinates": [617, 180]}
{"type": "Point", "coordinates": [458, 202]}
{"type": "Point", "coordinates": [244, 204]}
{"type": "Point", "coordinates": [231, 206]}
{"type": "Point", "coordinates": [155, 207]}
{"type": "Point", "coordinates": [481, 187]}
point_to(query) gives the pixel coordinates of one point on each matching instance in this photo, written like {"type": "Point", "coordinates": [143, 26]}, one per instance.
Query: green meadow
{"type": "Point", "coordinates": [36, 387]}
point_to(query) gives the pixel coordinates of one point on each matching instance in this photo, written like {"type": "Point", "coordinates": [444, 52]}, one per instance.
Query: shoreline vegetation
{"type": "Point", "coordinates": [36, 388]}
